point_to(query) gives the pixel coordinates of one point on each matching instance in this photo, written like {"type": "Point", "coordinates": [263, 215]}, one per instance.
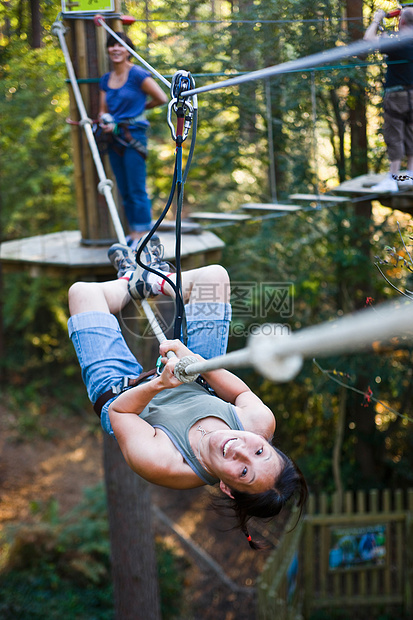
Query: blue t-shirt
{"type": "Point", "coordinates": [129, 100]}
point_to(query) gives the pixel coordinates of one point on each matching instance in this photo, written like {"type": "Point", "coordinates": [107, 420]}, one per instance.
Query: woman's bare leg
{"type": "Point", "coordinates": [204, 285]}
{"type": "Point", "coordinates": [108, 297]}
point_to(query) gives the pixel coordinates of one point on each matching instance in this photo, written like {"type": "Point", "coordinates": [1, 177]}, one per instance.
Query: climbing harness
{"type": "Point", "coordinates": [125, 384]}
{"type": "Point", "coordinates": [122, 130]}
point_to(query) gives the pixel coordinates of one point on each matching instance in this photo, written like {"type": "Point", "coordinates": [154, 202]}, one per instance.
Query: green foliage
{"type": "Point", "coordinates": [231, 159]}
{"type": "Point", "coordinates": [40, 362]}
{"type": "Point", "coordinates": [37, 170]}
{"type": "Point", "coordinates": [40, 594]}
{"type": "Point", "coordinates": [60, 567]}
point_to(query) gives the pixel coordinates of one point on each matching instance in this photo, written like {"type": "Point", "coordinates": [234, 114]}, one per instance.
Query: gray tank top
{"type": "Point", "coordinates": [176, 410]}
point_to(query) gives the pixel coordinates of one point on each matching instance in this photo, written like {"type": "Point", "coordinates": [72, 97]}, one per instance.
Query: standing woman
{"type": "Point", "coordinates": [125, 93]}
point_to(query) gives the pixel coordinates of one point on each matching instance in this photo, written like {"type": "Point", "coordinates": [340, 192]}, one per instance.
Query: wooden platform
{"type": "Point", "coordinates": [361, 186]}
{"type": "Point", "coordinates": [64, 251]}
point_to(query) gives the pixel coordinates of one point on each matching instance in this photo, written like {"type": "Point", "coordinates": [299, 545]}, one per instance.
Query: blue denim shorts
{"type": "Point", "coordinates": [105, 358]}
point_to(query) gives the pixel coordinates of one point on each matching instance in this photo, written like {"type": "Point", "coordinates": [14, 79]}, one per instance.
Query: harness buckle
{"type": "Point", "coordinates": [121, 386]}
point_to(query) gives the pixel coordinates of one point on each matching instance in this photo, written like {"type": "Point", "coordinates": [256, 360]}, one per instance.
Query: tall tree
{"type": "Point", "coordinates": [36, 28]}
{"type": "Point", "coordinates": [357, 96]}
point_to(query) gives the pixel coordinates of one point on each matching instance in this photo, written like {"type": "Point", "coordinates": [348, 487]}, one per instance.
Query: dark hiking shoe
{"type": "Point", "coordinates": [122, 258]}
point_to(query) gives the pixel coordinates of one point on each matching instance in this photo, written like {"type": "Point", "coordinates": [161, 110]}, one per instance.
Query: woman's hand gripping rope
{"type": "Point", "coordinates": [176, 357]}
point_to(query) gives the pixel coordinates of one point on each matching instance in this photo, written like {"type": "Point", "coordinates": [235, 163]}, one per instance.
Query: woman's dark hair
{"type": "Point", "coordinates": [289, 483]}
{"type": "Point", "coordinates": [111, 41]}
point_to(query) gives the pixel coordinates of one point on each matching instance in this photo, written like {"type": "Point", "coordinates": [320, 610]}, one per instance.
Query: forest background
{"type": "Point", "coordinates": [326, 128]}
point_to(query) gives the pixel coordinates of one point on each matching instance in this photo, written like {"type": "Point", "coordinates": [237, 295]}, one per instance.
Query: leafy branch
{"type": "Point", "coordinates": [367, 395]}
{"type": "Point", "coordinates": [396, 260]}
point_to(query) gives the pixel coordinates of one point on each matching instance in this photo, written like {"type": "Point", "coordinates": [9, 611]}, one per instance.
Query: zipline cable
{"type": "Point", "coordinates": [255, 22]}
{"type": "Point", "coordinates": [337, 53]}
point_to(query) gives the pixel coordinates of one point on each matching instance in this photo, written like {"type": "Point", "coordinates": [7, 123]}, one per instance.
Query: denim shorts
{"type": "Point", "coordinates": [105, 358]}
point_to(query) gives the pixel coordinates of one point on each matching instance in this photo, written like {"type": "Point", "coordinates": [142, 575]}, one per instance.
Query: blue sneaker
{"type": "Point", "coordinates": [122, 258]}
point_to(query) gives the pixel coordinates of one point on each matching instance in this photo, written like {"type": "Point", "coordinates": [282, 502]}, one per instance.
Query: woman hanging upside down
{"type": "Point", "coordinates": [179, 435]}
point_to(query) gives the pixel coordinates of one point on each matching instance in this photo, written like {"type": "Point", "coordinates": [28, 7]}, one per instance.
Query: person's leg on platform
{"type": "Point", "coordinates": [138, 208]}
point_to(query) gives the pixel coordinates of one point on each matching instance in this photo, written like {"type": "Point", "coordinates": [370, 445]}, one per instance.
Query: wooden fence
{"type": "Point", "coordinates": [353, 556]}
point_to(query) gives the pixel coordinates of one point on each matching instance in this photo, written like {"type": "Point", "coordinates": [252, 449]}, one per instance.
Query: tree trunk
{"type": "Point", "coordinates": [341, 134]}
{"type": "Point", "coordinates": [133, 558]}
{"type": "Point", "coordinates": [134, 567]}
{"type": "Point", "coordinates": [36, 27]}
{"type": "Point", "coordinates": [366, 452]}
{"type": "Point", "coordinates": [247, 62]}
{"type": "Point", "coordinates": [364, 416]}
{"type": "Point", "coordinates": [338, 442]}
{"type": "Point", "coordinates": [357, 98]}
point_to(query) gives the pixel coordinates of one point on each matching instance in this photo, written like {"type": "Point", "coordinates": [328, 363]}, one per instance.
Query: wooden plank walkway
{"type": "Point", "coordinates": [220, 217]}
{"type": "Point", "coordinates": [362, 186]}
{"type": "Point", "coordinates": [318, 198]}
{"type": "Point", "coordinates": [252, 206]}
{"type": "Point", "coordinates": [64, 251]}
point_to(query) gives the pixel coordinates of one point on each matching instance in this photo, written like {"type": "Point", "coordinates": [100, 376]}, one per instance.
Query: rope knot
{"type": "Point", "coordinates": [85, 121]}
{"type": "Point", "coordinates": [103, 184]}
{"type": "Point", "coordinates": [58, 27]}
{"type": "Point", "coordinates": [180, 372]}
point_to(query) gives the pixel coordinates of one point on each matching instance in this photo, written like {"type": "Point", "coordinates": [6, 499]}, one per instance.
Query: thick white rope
{"type": "Point", "coordinates": [280, 357]}
{"type": "Point", "coordinates": [336, 53]}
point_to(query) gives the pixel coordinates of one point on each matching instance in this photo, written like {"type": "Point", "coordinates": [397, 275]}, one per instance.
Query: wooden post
{"type": "Point", "coordinates": [87, 47]}
{"type": "Point", "coordinates": [134, 567]}
{"type": "Point", "coordinates": [133, 560]}
{"type": "Point", "coordinates": [309, 563]}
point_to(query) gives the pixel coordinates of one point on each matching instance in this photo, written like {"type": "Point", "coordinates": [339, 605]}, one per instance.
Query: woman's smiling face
{"type": "Point", "coordinates": [242, 460]}
{"type": "Point", "coordinates": [117, 52]}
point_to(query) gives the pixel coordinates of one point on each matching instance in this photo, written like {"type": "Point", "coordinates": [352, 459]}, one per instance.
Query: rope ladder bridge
{"type": "Point", "coordinates": [271, 352]}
